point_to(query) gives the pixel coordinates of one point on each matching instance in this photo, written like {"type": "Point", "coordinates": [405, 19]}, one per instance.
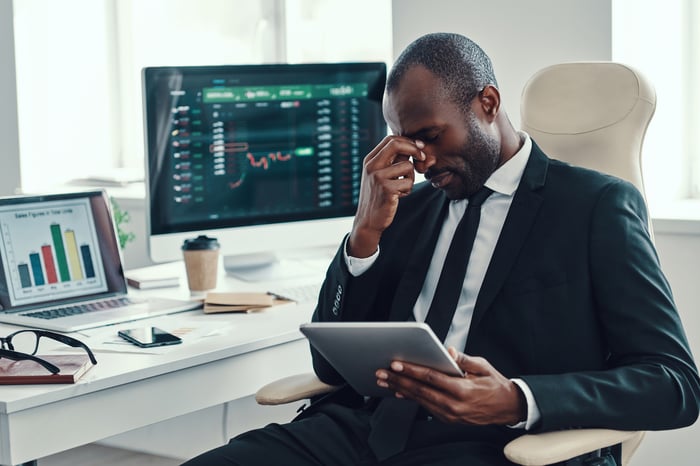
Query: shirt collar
{"type": "Point", "coordinates": [506, 178]}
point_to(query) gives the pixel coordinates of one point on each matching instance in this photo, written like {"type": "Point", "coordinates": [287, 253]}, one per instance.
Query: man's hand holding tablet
{"type": "Point", "coordinates": [482, 396]}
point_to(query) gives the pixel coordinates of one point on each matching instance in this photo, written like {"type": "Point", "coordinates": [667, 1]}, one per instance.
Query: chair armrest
{"type": "Point", "coordinates": [292, 388]}
{"type": "Point", "coordinates": [554, 447]}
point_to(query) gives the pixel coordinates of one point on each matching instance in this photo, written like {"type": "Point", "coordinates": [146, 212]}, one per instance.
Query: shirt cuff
{"type": "Point", "coordinates": [358, 265]}
{"type": "Point", "coordinates": [533, 411]}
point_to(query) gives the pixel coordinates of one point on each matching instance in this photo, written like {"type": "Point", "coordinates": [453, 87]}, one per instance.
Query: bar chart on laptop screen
{"type": "Point", "coordinates": [50, 250]}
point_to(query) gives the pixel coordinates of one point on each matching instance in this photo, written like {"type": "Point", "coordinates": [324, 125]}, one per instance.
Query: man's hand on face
{"type": "Point", "coordinates": [387, 175]}
{"type": "Point", "coordinates": [483, 396]}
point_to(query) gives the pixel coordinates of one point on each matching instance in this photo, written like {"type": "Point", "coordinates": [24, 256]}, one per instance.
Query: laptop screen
{"type": "Point", "coordinates": [57, 248]}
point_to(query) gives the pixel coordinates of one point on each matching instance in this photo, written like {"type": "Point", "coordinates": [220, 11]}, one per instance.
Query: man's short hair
{"type": "Point", "coordinates": [461, 65]}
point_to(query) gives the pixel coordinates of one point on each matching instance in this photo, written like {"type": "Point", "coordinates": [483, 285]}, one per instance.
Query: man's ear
{"type": "Point", "coordinates": [490, 101]}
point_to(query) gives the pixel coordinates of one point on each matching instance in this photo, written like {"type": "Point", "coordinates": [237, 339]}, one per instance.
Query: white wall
{"type": "Point", "coordinates": [521, 37]}
{"type": "Point", "coordinates": [9, 151]}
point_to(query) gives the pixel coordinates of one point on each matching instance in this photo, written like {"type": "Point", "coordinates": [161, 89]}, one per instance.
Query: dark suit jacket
{"type": "Point", "coordinates": [573, 302]}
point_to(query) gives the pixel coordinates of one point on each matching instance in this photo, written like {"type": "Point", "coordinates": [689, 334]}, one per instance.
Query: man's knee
{"type": "Point", "coordinates": [259, 447]}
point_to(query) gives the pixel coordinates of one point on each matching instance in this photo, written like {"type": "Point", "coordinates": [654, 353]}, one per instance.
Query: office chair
{"type": "Point", "coordinates": [595, 115]}
{"type": "Point", "coordinates": [592, 114]}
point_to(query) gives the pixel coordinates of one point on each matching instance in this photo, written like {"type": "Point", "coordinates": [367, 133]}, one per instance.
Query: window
{"type": "Point", "coordinates": [79, 65]}
{"type": "Point", "coordinates": [66, 99]}
{"type": "Point", "coordinates": [662, 41]}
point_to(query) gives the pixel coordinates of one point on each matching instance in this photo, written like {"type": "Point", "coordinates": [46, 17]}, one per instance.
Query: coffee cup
{"type": "Point", "coordinates": [201, 256]}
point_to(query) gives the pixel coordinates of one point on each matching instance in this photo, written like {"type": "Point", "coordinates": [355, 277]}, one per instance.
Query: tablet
{"type": "Point", "coordinates": [357, 349]}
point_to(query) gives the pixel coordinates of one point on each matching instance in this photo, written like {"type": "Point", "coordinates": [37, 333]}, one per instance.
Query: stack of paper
{"type": "Point", "coordinates": [239, 302]}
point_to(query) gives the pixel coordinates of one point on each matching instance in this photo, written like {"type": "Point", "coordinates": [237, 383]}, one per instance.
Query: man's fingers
{"type": "Point", "coordinates": [404, 375]}
{"type": "Point", "coordinates": [438, 402]}
{"type": "Point", "coordinates": [471, 364]}
{"type": "Point", "coordinates": [396, 180]}
{"type": "Point", "coordinates": [402, 169]}
{"type": "Point", "coordinates": [389, 150]}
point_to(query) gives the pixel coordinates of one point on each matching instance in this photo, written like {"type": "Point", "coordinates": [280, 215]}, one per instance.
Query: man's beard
{"type": "Point", "coordinates": [481, 156]}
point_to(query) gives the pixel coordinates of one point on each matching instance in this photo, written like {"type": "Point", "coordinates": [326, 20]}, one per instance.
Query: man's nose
{"type": "Point", "coordinates": [422, 166]}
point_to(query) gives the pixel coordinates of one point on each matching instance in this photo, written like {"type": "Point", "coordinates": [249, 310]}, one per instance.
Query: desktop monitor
{"type": "Point", "coordinates": [266, 158]}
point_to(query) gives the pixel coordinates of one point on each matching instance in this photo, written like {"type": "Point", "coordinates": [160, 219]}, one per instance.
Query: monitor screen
{"type": "Point", "coordinates": [268, 154]}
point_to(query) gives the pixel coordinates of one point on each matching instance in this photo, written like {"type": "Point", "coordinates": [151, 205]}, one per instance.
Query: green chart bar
{"type": "Point", "coordinates": [60, 252]}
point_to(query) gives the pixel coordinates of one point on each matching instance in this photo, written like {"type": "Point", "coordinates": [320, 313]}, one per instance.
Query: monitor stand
{"type": "Point", "coordinates": [267, 266]}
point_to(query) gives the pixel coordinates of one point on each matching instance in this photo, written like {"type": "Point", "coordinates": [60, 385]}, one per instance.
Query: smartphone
{"type": "Point", "coordinates": [147, 337]}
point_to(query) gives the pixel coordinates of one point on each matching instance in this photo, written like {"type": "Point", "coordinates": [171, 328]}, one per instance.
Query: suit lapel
{"type": "Point", "coordinates": [420, 256]}
{"type": "Point", "coordinates": [521, 216]}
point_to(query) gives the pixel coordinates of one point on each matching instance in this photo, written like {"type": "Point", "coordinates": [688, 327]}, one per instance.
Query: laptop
{"type": "Point", "coordinates": [61, 266]}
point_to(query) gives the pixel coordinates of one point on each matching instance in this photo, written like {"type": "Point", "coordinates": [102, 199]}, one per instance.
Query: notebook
{"type": "Point", "coordinates": [73, 367]}
{"type": "Point", "coordinates": [61, 265]}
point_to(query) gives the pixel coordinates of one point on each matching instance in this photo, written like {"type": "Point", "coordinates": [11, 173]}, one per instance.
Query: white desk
{"type": "Point", "coordinates": [127, 391]}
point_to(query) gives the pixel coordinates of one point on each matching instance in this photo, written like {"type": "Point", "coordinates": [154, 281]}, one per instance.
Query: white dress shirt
{"type": "Point", "coordinates": [504, 181]}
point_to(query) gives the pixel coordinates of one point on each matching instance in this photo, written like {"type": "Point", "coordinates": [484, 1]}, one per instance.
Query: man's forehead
{"type": "Point", "coordinates": [411, 112]}
{"type": "Point", "coordinates": [407, 117]}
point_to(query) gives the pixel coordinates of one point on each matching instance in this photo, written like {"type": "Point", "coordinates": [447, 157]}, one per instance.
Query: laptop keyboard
{"type": "Point", "coordinates": [80, 308]}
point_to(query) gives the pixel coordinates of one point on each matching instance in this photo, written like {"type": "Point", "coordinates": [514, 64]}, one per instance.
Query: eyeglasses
{"type": "Point", "coordinates": [23, 345]}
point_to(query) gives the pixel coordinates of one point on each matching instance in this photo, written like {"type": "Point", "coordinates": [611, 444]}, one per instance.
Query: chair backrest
{"type": "Point", "coordinates": [591, 114]}
{"type": "Point", "coordinates": [594, 115]}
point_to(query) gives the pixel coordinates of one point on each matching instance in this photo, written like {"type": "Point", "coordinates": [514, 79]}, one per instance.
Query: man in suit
{"type": "Point", "coordinates": [563, 318]}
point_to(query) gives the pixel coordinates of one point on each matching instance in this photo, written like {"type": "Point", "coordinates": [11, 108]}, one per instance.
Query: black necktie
{"type": "Point", "coordinates": [393, 418]}
{"type": "Point", "coordinates": [454, 269]}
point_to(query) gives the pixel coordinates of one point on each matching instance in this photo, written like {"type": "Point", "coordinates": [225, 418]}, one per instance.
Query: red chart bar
{"type": "Point", "coordinates": [51, 276]}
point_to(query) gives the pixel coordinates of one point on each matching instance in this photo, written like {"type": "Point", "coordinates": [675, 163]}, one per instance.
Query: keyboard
{"type": "Point", "coordinates": [299, 293]}
{"type": "Point", "coordinates": [80, 308]}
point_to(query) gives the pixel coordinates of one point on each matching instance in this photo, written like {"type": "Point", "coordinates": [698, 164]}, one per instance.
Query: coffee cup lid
{"type": "Point", "coordinates": [201, 242]}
